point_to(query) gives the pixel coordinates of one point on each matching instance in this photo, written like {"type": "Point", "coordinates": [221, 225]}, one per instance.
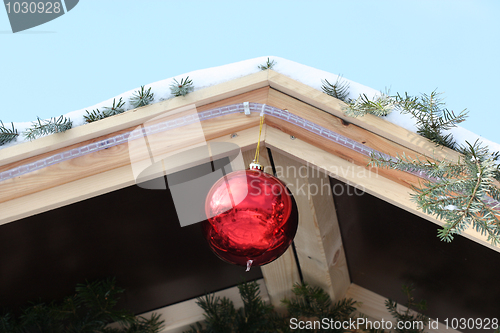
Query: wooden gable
{"type": "Point", "coordinates": [319, 256]}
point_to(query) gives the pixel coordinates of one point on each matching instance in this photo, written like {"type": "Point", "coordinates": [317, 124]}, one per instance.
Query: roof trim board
{"type": "Point", "coordinates": [308, 102]}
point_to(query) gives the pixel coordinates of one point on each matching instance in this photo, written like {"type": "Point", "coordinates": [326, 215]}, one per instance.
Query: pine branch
{"type": "Point", "coordinates": [183, 88]}
{"type": "Point", "coordinates": [6, 134]}
{"type": "Point", "coordinates": [269, 64]}
{"type": "Point", "coordinates": [380, 106]}
{"type": "Point", "coordinates": [432, 118]}
{"type": "Point", "coordinates": [220, 314]}
{"type": "Point", "coordinates": [339, 90]}
{"type": "Point", "coordinates": [51, 126]}
{"type": "Point", "coordinates": [96, 114]}
{"type": "Point", "coordinates": [141, 97]}
{"type": "Point", "coordinates": [408, 315]}
{"type": "Point", "coordinates": [142, 325]}
{"type": "Point", "coordinates": [250, 317]}
{"type": "Point", "coordinates": [458, 193]}
{"type": "Point", "coordinates": [90, 309]}
{"type": "Point", "coordinates": [117, 108]}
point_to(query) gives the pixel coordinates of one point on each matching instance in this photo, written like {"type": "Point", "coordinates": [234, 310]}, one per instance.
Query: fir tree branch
{"type": "Point", "coordinates": [269, 64]}
{"type": "Point", "coordinates": [96, 114]}
{"type": "Point", "coordinates": [458, 193]}
{"type": "Point", "coordinates": [339, 90]}
{"type": "Point", "coordinates": [380, 106]}
{"type": "Point", "coordinates": [116, 108]}
{"type": "Point", "coordinates": [141, 97]}
{"type": "Point", "coordinates": [6, 134]}
{"type": "Point", "coordinates": [408, 315]}
{"type": "Point", "coordinates": [432, 118]}
{"type": "Point", "coordinates": [183, 88]}
{"type": "Point", "coordinates": [51, 126]}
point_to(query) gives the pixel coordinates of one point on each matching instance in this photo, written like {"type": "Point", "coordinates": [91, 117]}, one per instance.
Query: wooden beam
{"type": "Point", "coordinates": [339, 126]}
{"type": "Point", "coordinates": [373, 306]}
{"type": "Point", "coordinates": [318, 241]}
{"type": "Point", "coordinates": [165, 143]}
{"type": "Point", "coordinates": [364, 179]}
{"type": "Point", "coordinates": [370, 122]}
{"type": "Point", "coordinates": [99, 183]}
{"type": "Point", "coordinates": [282, 274]}
{"type": "Point", "coordinates": [133, 118]}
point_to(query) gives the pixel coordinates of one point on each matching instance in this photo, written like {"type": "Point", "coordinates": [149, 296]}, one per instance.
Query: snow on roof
{"type": "Point", "coordinates": [212, 76]}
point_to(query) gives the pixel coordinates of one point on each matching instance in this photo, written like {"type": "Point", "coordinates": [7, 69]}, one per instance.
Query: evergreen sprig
{"type": "Point", "coordinates": [51, 126]}
{"type": "Point", "coordinates": [459, 192]}
{"type": "Point", "coordinates": [269, 64]}
{"type": "Point", "coordinates": [116, 108]}
{"type": "Point", "coordinates": [222, 317]}
{"type": "Point", "coordinates": [339, 89]}
{"type": "Point", "coordinates": [496, 159]}
{"type": "Point", "coordinates": [90, 309]}
{"type": "Point", "coordinates": [314, 304]}
{"type": "Point", "coordinates": [183, 88]}
{"type": "Point", "coordinates": [141, 97]}
{"type": "Point", "coordinates": [93, 115]}
{"type": "Point", "coordinates": [432, 118]}
{"type": "Point", "coordinates": [7, 134]}
{"type": "Point", "coordinates": [96, 114]}
{"type": "Point", "coordinates": [409, 315]}
{"type": "Point", "coordinates": [381, 105]}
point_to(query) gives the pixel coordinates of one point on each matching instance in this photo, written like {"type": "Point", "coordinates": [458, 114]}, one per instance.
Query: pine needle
{"type": "Point", "coordinates": [269, 64]}
{"type": "Point", "coordinates": [339, 90]}
{"type": "Point", "coordinates": [141, 97]}
{"type": "Point", "coordinates": [183, 88]}
{"type": "Point", "coordinates": [460, 193]}
{"type": "Point", "coordinates": [7, 134]}
{"type": "Point", "coordinates": [380, 106]}
{"type": "Point", "coordinates": [45, 127]}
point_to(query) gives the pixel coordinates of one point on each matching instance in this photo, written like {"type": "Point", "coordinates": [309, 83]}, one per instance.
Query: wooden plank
{"type": "Point", "coordinates": [282, 274]}
{"type": "Point", "coordinates": [178, 317]}
{"type": "Point", "coordinates": [257, 96]}
{"type": "Point", "coordinates": [370, 122]}
{"type": "Point", "coordinates": [318, 241]}
{"type": "Point", "coordinates": [164, 143]}
{"type": "Point", "coordinates": [337, 125]}
{"type": "Point", "coordinates": [367, 180]}
{"type": "Point", "coordinates": [132, 118]}
{"type": "Point", "coordinates": [97, 184]}
{"type": "Point", "coordinates": [373, 306]}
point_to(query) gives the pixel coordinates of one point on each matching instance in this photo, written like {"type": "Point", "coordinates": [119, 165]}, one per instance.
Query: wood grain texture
{"type": "Point", "coordinates": [133, 118]}
{"type": "Point", "coordinates": [373, 306]}
{"type": "Point", "coordinates": [282, 274]}
{"type": "Point", "coordinates": [165, 144]}
{"type": "Point", "coordinates": [369, 122]}
{"type": "Point", "coordinates": [99, 183]}
{"type": "Point", "coordinates": [337, 125]}
{"type": "Point", "coordinates": [318, 241]}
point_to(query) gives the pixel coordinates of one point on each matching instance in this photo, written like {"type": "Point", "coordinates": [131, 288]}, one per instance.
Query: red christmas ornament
{"type": "Point", "coordinates": [252, 218]}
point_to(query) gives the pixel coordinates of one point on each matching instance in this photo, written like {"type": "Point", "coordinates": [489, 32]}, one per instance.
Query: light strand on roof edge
{"type": "Point", "coordinates": [205, 115]}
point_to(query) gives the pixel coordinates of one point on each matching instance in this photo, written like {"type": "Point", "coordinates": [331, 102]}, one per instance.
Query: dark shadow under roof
{"type": "Point", "coordinates": [387, 247]}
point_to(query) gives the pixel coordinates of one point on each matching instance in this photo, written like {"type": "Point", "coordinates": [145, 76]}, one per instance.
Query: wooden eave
{"type": "Point", "coordinates": [265, 87]}
{"type": "Point", "coordinates": [319, 244]}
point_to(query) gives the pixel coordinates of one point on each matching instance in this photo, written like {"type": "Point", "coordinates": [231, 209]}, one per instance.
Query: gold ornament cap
{"type": "Point", "coordinates": [256, 166]}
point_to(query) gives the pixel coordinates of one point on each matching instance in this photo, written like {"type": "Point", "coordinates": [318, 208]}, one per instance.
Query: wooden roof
{"type": "Point", "coordinates": [318, 242]}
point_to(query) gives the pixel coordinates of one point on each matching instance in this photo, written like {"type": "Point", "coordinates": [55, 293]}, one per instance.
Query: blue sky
{"type": "Point", "coordinates": [103, 48]}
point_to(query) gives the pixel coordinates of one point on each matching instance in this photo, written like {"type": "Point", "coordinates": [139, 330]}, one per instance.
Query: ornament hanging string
{"type": "Point", "coordinates": [261, 124]}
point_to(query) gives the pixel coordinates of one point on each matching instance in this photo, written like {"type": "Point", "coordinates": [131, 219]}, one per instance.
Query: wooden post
{"type": "Point", "coordinates": [281, 274]}
{"type": "Point", "coordinates": [318, 241]}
